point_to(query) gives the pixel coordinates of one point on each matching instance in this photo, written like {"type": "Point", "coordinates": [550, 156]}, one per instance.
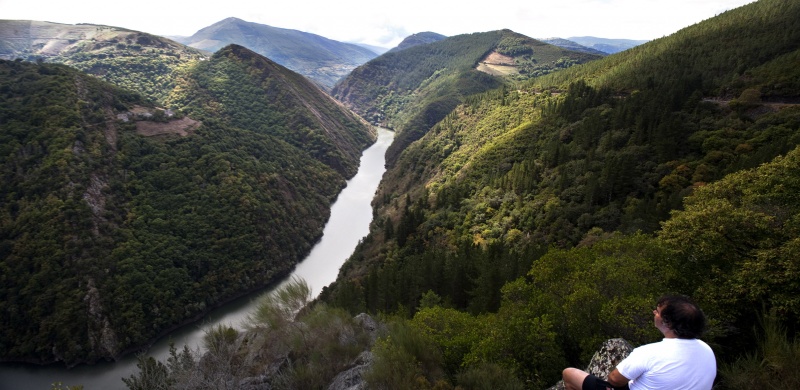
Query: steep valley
{"type": "Point", "coordinates": [536, 202]}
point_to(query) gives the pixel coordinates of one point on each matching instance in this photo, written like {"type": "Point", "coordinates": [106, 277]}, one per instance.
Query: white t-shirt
{"type": "Point", "coordinates": [672, 364]}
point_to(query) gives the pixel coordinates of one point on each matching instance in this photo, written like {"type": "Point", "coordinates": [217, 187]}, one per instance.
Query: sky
{"type": "Point", "coordinates": [384, 23]}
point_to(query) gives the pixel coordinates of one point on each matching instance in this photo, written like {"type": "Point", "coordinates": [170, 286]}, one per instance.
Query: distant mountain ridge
{"type": "Point", "coordinates": [32, 39]}
{"type": "Point", "coordinates": [376, 49]}
{"type": "Point", "coordinates": [607, 45]}
{"type": "Point", "coordinates": [23, 38]}
{"type": "Point", "coordinates": [567, 44]}
{"type": "Point", "coordinates": [135, 60]}
{"type": "Point", "coordinates": [321, 59]}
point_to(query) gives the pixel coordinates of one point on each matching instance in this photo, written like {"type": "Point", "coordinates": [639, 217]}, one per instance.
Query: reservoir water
{"type": "Point", "coordinates": [351, 215]}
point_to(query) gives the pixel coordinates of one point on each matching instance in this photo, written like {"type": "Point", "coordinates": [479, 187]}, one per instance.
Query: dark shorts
{"type": "Point", "coordinates": [594, 383]}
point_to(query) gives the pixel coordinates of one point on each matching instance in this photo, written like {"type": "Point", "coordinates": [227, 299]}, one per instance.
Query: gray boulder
{"type": "Point", "coordinates": [605, 359]}
{"type": "Point", "coordinates": [352, 379]}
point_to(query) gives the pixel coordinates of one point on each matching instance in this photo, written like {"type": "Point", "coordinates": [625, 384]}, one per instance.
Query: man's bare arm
{"type": "Point", "coordinates": [616, 379]}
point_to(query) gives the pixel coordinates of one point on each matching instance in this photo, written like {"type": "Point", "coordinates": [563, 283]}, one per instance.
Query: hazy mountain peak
{"type": "Point", "coordinates": [231, 19]}
{"type": "Point", "coordinates": [321, 59]}
{"type": "Point", "coordinates": [607, 45]}
{"type": "Point", "coordinates": [567, 44]}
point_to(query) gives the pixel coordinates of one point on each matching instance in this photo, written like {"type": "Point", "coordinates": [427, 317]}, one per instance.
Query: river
{"type": "Point", "coordinates": [351, 215]}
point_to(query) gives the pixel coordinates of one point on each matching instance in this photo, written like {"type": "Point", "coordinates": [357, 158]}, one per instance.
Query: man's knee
{"type": "Point", "coordinates": [573, 377]}
{"type": "Point", "coordinates": [572, 372]}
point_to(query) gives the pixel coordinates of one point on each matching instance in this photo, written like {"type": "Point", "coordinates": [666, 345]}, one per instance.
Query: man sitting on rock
{"type": "Point", "coordinates": [679, 361]}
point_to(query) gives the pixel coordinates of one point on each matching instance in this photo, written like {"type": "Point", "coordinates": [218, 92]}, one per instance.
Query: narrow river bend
{"type": "Point", "coordinates": [349, 222]}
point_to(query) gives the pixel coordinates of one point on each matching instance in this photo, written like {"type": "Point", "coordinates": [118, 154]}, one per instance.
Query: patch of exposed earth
{"type": "Point", "coordinates": [497, 64]}
{"type": "Point", "coordinates": [495, 58]}
{"type": "Point", "coordinates": [151, 122]}
{"type": "Point", "coordinates": [182, 127]}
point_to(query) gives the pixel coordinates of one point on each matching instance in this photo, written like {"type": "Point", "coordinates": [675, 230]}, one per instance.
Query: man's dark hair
{"type": "Point", "coordinates": [683, 316]}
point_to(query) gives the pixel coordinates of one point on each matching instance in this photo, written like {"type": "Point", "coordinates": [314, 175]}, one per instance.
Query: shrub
{"type": "Point", "coordinates": [772, 366]}
{"type": "Point", "coordinates": [404, 359]}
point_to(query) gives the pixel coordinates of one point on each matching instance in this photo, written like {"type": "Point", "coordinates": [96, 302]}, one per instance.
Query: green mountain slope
{"type": "Point", "coordinates": [251, 92]}
{"type": "Point", "coordinates": [115, 230]}
{"type": "Point", "coordinates": [413, 89]}
{"type": "Point", "coordinates": [611, 145]}
{"type": "Point", "coordinates": [131, 59]}
{"type": "Point", "coordinates": [323, 60]}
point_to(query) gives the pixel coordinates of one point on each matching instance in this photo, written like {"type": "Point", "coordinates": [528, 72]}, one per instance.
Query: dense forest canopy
{"type": "Point", "coordinates": [254, 93]}
{"type": "Point", "coordinates": [109, 237]}
{"type": "Point", "coordinates": [568, 177]}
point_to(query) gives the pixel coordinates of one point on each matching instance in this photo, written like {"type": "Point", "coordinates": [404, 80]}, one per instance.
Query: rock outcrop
{"type": "Point", "coordinates": [352, 378]}
{"type": "Point", "coordinates": [605, 359]}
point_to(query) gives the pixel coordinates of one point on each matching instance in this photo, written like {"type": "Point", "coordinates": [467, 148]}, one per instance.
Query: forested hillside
{"type": "Point", "coordinates": [574, 182]}
{"type": "Point", "coordinates": [411, 90]}
{"type": "Point", "coordinates": [248, 91]}
{"type": "Point", "coordinates": [134, 60]}
{"type": "Point", "coordinates": [111, 235]}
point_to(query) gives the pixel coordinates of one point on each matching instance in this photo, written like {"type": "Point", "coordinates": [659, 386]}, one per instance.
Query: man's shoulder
{"type": "Point", "coordinates": [701, 346]}
{"type": "Point", "coordinates": [694, 343]}
{"type": "Point", "coordinates": [673, 343]}
{"type": "Point", "coordinates": [651, 346]}
{"type": "Point", "coordinates": [695, 348]}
